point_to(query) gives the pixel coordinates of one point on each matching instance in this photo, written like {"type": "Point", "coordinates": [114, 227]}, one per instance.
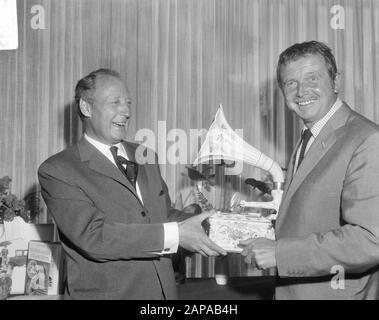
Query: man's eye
{"type": "Point", "coordinates": [290, 84]}
{"type": "Point", "coordinates": [116, 101]}
{"type": "Point", "coordinates": [313, 78]}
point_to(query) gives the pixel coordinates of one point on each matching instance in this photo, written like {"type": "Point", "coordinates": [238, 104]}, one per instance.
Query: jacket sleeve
{"type": "Point", "coordinates": [86, 228]}
{"type": "Point", "coordinates": [354, 245]}
{"type": "Point", "coordinates": [173, 215]}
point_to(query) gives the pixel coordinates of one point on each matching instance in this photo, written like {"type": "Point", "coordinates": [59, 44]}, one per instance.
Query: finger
{"type": "Point", "coordinates": [216, 251]}
{"type": "Point", "coordinates": [214, 247]}
{"type": "Point", "coordinates": [249, 259]}
{"type": "Point", "coordinates": [260, 266]}
{"type": "Point", "coordinates": [246, 251]}
{"type": "Point", "coordinates": [204, 215]}
{"type": "Point", "coordinates": [209, 252]}
{"type": "Point", "coordinates": [247, 242]}
{"type": "Point", "coordinates": [202, 252]}
{"type": "Point", "coordinates": [260, 261]}
{"type": "Point", "coordinates": [207, 242]}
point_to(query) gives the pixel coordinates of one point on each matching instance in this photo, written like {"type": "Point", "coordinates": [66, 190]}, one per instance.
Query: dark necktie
{"type": "Point", "coordinates": [306, 135]}
{"type": "Point", "coordinates": [131, 169]}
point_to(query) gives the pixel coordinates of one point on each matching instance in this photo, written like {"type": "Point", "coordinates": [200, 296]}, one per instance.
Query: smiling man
{"type": "Point", "coordinates": [310, 91]}
{"type": "Point", "coordinates": [112, 213]}
{"type": "Point", "coordinates": [107, 113]}
{"type": "Point", "coordinates": [328, 220]}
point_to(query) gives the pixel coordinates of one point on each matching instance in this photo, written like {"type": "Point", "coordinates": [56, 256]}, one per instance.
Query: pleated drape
{"type": "Point", "coordinates": [181, 59]}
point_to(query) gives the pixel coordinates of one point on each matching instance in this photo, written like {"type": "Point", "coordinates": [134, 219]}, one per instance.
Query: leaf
{"type": "Point", "coordinates": [5, 181]}
{"type": "Point", "coordinates": [8, 215]}
{"type": "Point", "coordinates": [19, 205]}
{"type": "Point", "coordinates": [10, 205]}
{"type": "Point", "coordinates": [10, 199]}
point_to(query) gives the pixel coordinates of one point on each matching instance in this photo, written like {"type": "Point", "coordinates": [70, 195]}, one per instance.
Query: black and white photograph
{"type": "Point", "coordinates": [202, 152]}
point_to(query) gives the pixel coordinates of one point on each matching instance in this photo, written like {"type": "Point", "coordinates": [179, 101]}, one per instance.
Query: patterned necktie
{"type": "Point", "coordinates": [131, 169]}
{"type": "Point", "coordinates": [306, 135]}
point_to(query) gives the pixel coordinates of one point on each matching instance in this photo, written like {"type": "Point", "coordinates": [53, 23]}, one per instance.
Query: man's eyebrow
{"type": "Point", "coordinates": [291, 78]}
{"type": "Point", "coordinates": [312, 72]}
{"type": "Point", "coordinates": [288, 80]}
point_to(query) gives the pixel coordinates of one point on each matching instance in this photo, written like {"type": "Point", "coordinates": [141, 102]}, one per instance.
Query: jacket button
{"type": "Point", "coordinates": [143, 213]}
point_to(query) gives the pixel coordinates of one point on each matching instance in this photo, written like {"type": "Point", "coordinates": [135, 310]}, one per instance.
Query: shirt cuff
{"type": "Point", "coordinates": [171, 238]}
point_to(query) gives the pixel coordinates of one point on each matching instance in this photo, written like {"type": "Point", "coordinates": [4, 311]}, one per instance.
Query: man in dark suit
{"type": "Point", "coordinates": [327, 231]}
{"type": "Point", "coordinates": [111, 209]}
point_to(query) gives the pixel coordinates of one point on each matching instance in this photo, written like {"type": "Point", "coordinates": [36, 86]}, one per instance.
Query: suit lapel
{"type": "Point", "coordinates": [290, 169]}
{"type": "Point", "coordinates": [101, 164]}
{"type": "Point", "coordinates": [323, 142]}
{"type": "Point", "coordinates": [142, 178]}
{"type": "Point", "coordinates": [317, 150]}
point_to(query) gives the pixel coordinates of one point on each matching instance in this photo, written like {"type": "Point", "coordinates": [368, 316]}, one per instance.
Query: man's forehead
{"type": "Point", "coordinates": [106, 79]}
{"type": "Point", "coordinates": [106, 82]}
{"type": "Point", "coordinates": [307, 63]}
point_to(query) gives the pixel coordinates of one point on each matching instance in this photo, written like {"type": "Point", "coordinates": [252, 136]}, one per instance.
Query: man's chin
{"type": "Point", "coordinates": [115, 138]}
{"type": "Point", "coordinates": [306, 113]}
{"type": "Point", "coordinates": [119, 136]}
{"type": "Point", "coordinates": [118, 140]}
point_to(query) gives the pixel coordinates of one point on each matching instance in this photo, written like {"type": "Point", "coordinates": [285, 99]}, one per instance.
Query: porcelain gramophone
{"type": "Point", "coordinates": [223, 143]}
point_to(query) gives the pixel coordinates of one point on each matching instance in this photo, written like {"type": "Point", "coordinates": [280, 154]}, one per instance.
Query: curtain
{"type": "Point", "coordinates": [180, 59]}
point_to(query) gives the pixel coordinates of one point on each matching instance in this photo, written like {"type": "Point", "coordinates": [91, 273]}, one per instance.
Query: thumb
{"type": "Point", "coordinates": [246, 242]}
{"type": "Point", "coordinates": [205, 215]}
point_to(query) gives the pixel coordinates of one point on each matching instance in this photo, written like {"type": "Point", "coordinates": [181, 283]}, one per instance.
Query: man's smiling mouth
{"type": "Point", "coordinates": [305, 102]}
{"type": "Point", "coordinates": [120, 121]}
{"type": "Point", "coordinates": [119, 124]}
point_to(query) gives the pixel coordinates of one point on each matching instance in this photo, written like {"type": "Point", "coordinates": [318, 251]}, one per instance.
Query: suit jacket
{"type": "Point", "coordinates": [328, 220]}
{"type": "Point", "coordinates": [107, 234]}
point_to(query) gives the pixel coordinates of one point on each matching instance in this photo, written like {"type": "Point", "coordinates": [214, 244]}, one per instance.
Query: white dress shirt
{"type": "Point", "coordinates": [316, 129]}
{"type": "Point", "coordinates": [171, 229]}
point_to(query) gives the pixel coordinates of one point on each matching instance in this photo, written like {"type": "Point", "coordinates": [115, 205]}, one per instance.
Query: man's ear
{"type": "Point", "coordinates": [85, 108]}
{"type": "Point", "coordinates": [337, 83]}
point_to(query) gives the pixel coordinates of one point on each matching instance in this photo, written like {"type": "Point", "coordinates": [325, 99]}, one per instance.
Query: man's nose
{"type": "Point", "coordinates": [301, 89]}
{"type": "Point", "coordinates": [124, 107]}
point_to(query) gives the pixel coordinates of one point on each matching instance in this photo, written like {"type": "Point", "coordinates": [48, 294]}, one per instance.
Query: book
{"type": "Point", "coordinates": [44, 269]}
{"type": "Point", "coordinates": [15, 241]}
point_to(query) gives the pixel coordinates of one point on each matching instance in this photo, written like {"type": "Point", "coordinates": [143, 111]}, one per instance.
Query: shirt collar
{"type": "Point", "coordinates": [317, 127]}
{"type": "Point", "coordinates": [104, 148]}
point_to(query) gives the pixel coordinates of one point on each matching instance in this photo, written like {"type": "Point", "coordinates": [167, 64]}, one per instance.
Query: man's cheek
{"type": "Point", "coordinates": [291, 105]}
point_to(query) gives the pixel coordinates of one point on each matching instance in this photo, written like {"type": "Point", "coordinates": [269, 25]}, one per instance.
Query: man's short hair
{"type": "Point", "coordinates": [86, 86]}
{"type": "Point", "coordinates": [300, 50]}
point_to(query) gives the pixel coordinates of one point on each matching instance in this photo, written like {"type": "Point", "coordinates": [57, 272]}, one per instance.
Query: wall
{"type": "Point", "coordinates": [181, 60]}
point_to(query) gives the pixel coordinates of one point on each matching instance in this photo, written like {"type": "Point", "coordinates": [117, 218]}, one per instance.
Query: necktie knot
{"type": "Point", "coordinates": [122, 160]}
{"type": "Point", "coordinates": [131, 169]}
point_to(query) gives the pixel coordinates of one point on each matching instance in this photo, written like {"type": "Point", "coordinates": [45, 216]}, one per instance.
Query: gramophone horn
{"type": "Point", "coordinates": [222, 142]}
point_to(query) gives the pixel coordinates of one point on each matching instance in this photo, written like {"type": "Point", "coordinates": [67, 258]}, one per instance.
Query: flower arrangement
{"type": "Point", "coordinates": [5, 285]}
{"type": "Point", "coordinates": [10, 206]}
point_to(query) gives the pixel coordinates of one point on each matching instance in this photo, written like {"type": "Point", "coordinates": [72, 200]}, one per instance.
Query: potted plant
{"type": "Point", "coordinates": [11, 209]}
{"type": "Point", "coordinates": [10, 205]}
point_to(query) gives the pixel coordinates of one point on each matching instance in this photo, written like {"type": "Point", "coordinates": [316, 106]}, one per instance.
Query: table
{"type": "Point", "coordinates": [237, 288]}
